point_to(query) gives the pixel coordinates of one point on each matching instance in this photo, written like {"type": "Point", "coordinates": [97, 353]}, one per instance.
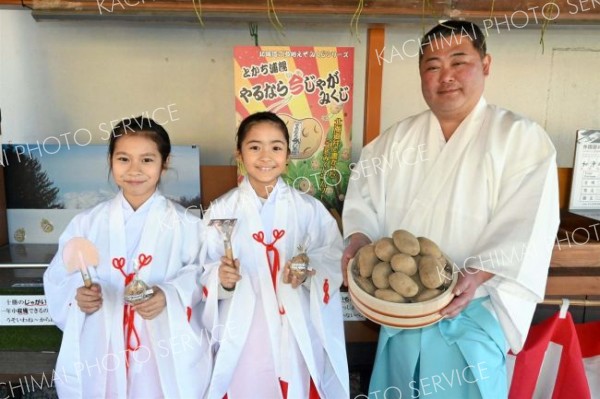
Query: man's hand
{"type": "Point", "coordinates": [89, 300]}
{"type": "Point", "coordinates": [357, 241]}
{"type": "Point", "coordinates": [152, 306]}
{"type": "Point", "coordinates": [229, 272]}
{"type": "Point", "coordinates": [464, 290]}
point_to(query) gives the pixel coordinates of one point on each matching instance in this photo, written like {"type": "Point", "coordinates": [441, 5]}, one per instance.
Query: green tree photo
{"type": "Point", "coordinates": [27, 184]}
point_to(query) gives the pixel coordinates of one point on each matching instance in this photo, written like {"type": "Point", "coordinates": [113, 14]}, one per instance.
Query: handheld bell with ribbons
{"type": "Point", "coordinates": [299, 264]}
{"type": "Point", "coordinates": [225, 228]}
{"type": "Point", "coordinates": [137, 290]}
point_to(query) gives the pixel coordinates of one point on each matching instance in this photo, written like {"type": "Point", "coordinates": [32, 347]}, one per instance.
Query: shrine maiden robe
{"type": "Point", "coordinates": [168, 357]}
{"type": "Point", "coordinates": [488, 197]}
{"type": "Point", "coordinates": [271, 337]}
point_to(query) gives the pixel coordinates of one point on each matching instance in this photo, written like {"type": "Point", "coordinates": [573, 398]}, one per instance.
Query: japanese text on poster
{"type": "Point", "coordinates": [24, 310]}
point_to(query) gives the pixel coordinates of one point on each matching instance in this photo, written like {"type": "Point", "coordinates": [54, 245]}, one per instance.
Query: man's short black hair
{"type": "Point", "coordinates": [455, 30]}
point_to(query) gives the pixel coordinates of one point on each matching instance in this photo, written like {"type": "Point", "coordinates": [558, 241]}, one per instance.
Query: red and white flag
{"type": "Point", "coordinates": [589, 341]}
{"type": "Point", "coordinates": [554, 365]}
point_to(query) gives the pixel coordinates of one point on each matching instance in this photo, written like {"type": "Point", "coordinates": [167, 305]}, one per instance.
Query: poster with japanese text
{"type": "Point", "coordinates": [24, 310]}
{"type": "Point", "coordinates": [585, 187]}
{"type": "Point", "coordinates": [310, 88]}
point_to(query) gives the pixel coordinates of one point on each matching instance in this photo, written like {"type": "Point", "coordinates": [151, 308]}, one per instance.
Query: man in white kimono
{"type": "Point", "coordinates": [482, 183]}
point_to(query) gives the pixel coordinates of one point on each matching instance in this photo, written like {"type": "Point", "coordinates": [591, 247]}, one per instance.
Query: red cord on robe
{"type": "Point", "coordinates": [128, 311]}
{"type": "Point", "coordinates": [274, 266]}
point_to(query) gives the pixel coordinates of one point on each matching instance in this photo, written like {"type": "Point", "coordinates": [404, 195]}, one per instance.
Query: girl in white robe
{"type": "Point", "coordinates": [276, 335]}
{"type": "Point", "coordinates": [148, 350]}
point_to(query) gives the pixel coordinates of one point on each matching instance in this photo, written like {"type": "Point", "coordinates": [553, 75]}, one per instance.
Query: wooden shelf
{"type": "Point", "coordinates": [575, 263]}
{"type": "Point", "coordinates": [17, 365]}
{"type": "Point", "coordinates": [581, 254]}
{"type": "Point", "coordinates": [574, 285]}
{"type": "Point", "coordinates": [506, 13]}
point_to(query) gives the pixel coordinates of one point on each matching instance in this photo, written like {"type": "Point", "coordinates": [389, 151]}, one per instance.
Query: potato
{"type": "Point", "coordinates": [385, 249]}
{"type": "Point", "coordinates": [365, 284]}
{"type": "Point", "coordinates": [403, 284]}
{"type": "Point", "coordinates": [404, 263]}
{"type": "Point", "coordinates": [429, 247]}
{"type": "Point", "coordinates": [389, 295]}
{"type": "Point", "coordinates": [366, 260]}
{"type": "Point", "coordinates": [406, 242]}
{"type": "Point", "coordinates": [428, 260]}
{"type": "Point", "coordinates": [427, 295]}
{"type": "Point", "coordinates": [431, 271]}
{"type": "Point", "coordinates": [415, 277]}
{"type": "Point", "coordinates": [381, 273]}
{"type": "Point", "coordinates": [447, 275]}
{"type": "Point", "coordinates": [417, 258]}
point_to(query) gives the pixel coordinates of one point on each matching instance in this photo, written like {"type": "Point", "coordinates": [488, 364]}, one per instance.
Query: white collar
{"type": "Point", "coordinates": [128, 209]}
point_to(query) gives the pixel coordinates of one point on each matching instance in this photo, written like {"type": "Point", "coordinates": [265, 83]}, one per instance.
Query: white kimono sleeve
{"type": "Point", "coordinates": [185, 284]}
{"type": "Point", "coordinates": [365, 199]}
{"type": "Point", "coordinates": [325, 302]}
{"type": "Point", "coordinates": [210, 258]}
{"type": "Point", "coordinates": [60, 285]}
{"type": "Point", "coordinates": [516, 244]}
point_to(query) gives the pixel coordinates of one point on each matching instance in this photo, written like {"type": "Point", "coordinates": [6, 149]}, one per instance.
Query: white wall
{"type": "Point", "coordinates": [559, 89]}
{"type": "Point", "coordinates": [60, 76]}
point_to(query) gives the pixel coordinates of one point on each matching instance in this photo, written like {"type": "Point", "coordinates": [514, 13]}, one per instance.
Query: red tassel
{"type": "Point", "coordinates": [189, 313]}
{"type": "Point", "coordinates": [326, 291]}
{"type": "Point", "coordinates": [144, 260]}
{"type": "Point", "coordinates": [274, 267]}
{"type": "Point", "coordinates": [205, 292]}
{"type": "Point", "coordinates": [128, 312]}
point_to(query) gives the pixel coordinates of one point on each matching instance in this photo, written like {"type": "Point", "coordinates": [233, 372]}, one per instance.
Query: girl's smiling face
{"type": "Point", "coordinates": [264, 153]}
{"type": "Point", "coordinates": [136, 166]}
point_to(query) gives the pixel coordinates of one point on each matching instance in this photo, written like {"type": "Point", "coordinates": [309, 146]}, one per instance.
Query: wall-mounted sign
{"type": "Point", "coordinates": [585, 189]}
{"type": "Point", "coordinates": [24, 310]}
{"type": "Point", "coordinates": [350, 313]}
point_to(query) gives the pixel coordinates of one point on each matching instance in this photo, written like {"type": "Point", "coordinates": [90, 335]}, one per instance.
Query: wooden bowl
{"type": "Point", "coordinates": [398, 315]}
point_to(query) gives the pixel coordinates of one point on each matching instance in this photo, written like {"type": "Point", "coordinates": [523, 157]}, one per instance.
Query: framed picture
{"type": "Point", "coordinates": [46, 185]}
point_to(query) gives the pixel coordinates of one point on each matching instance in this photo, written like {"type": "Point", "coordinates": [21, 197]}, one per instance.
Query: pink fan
{"type": "Point", "coordinates": [78, 254]}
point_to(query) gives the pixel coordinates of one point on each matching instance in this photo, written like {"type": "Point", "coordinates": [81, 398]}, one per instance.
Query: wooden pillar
{"type": "Point", "coordinates": [373, 82]}
{"type": "Point", "coordinates": [565, 178]}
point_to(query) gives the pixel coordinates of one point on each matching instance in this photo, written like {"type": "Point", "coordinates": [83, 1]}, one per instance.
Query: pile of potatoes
{"type": "Point", "coordinates": [402, 268]}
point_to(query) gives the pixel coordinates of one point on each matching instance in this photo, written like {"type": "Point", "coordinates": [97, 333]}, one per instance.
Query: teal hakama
{"type": "Point", "coordinates": [459, 358]}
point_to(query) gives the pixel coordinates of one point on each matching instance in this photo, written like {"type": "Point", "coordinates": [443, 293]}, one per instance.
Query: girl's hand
{"type": "Point", "coordinates": [89, 300]}
{"type": "Point", "coordinates": [228, 272]}
{"type": "Point", "coordinates": [290, 278]}
{"type": "Point", "coordinates": [152, 306]}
